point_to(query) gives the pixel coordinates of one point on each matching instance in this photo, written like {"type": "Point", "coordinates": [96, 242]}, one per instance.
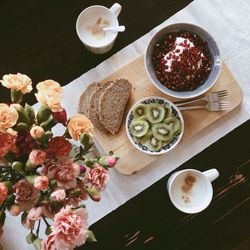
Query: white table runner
{"type": "Point", "coordinates": [228, 21]}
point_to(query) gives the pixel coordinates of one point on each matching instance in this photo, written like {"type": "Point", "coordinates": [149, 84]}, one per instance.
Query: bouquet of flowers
{"type": "Point", "coordinates": [40, 177]}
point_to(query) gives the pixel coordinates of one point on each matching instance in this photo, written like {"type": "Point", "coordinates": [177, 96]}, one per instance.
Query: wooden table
{"type": "Point", "coordinates": [39, 38]}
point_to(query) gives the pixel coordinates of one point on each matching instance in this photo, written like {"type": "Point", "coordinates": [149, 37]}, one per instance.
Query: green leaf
{"type": "Point", "coordinates": [23, 116]}
{"type": "Point", "coordinates": [37, 243]}
{"type": "Point", "coordinates": [67, 134]}
{"type": "Point", "coordinates": [43, 114]}
{"type": "Point", "coordinates": [30, 238]}
{"type": "Point", "coordinates": [21, 126]}
{"type": "Point", "coordinates": [89, 162]}
{"type": "Point", "coordinates": [85, 140]}
{"type": "Point", "coordinates": [91, 236]}
{"type": "Point", "coordinates": [30, 112]}
{"type": "Point", "coordinates": [16, 96]}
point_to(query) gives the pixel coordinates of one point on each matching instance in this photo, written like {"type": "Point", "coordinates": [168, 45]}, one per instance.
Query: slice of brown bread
{"type": "Point", "coordinates": [112, 104]}
{"type": "Point", "coordinates": [83, 103]}
{"type": "Point", "coordinates": [93, 105]}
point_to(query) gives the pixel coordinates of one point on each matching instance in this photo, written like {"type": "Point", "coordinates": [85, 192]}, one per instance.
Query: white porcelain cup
{"type": "Point", "coordinates": [89, 27]}
{"type": "Point", "coordinates": [190, 190]}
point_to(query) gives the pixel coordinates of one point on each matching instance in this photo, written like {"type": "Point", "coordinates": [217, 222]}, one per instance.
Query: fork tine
{"type": "Point", "coordinates": [221, 91]}
{"type": "Point", "coordinates": [222, 95]}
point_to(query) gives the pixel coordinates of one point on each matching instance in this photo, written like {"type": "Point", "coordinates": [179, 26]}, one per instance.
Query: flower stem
{"type": "Point", "coordinates": [38, 228]}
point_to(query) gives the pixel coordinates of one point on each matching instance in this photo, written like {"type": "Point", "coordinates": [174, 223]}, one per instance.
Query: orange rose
{"type": "Point", "coordinates": [49, 95]}
{"type": "Point", "coordinates": [18, 82]}
{"type": "Point", "coordinates": [8, 117]}
{"type": "Point", "coordinates": [78, 125]}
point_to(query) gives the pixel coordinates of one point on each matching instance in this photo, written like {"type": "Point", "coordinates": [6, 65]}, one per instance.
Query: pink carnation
{"type": "Point", "coordinates": [70, 228]}
{"type": "Point", "coordinates": [3, 193]}
{"type": "Point", "coordinates": [34, 215]}
{"type": "Point", "coordinates": [49, 168]}
{"type": "Point", "coordinates": [66, 173]}
{"type": "Point", "coordinates": [49, 244]}
{"type": "Point", "coordinates": [26, 195]}
{"type": "Point", "coordinates": [41, 183]}
{"type": "Point", "coordinates": [37, 157]}
{"type": "Point", "coordinates": [58, 195]}
{"type": "Point", "coordinates": [97, 177]}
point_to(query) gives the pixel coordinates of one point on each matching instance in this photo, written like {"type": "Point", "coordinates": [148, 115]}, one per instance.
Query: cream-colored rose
{"type": "Point", "coordinates": [18, 82]}
{"type": "Point", "coordinates": [78, 125]}
{"type": "Point", "coordinates": [37, 132]}
{"type": "Point", "coordinates": [49, 95]}
{"type": "Point", "coordinates": [8, 117]}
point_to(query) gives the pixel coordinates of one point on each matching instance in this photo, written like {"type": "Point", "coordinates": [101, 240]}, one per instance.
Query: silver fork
{"type": "Point", "coordinates": [211, 106]}
{"type": "Point", "coordinates": [209, 97]}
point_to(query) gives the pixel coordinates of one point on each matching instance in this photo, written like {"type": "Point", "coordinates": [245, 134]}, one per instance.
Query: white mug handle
{"type": "Point", "coordinates": [211, 174]}
{"type": "Point", "coordinates": [116, 9]}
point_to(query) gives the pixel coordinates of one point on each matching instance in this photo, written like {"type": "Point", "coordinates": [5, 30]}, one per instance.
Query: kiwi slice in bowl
{"type": "Point", "coordinates": [155, 112]}
{"type": "Point", "coordinates": [139, 110]}
{"type": "Point", "coordinates": [145, 138]}
{"type": "Point", "coordinates": [174, 123]}
{"type": "Point", "coordinates": [162, 131]}
{"type": "Point", "coordinates": [142, 118]}
{"type": "Point", "coordinates": [168, 110]}
{"type": "Point", "coordinates": [153, 144]}
{"type": "Point", "coordinates": [138, 128]}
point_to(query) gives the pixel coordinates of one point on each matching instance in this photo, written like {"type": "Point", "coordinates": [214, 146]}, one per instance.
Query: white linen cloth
{"type": "Point", "coordinates": [228, 21]}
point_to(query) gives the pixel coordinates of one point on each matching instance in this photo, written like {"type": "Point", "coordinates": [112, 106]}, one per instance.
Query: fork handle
{"type": "Point", "coordinates": [181, 103]}
{"type": "Point", "coordinates": [191, 107]}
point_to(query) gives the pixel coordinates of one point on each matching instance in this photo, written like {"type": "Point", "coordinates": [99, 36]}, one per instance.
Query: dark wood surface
{"type": "Point", "coordinates": [38, 38]}
{"type": "Point", "coordinates": [150, 221]}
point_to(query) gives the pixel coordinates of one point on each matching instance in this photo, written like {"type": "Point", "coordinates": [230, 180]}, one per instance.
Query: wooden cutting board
{"type": "Point", "coordinates": [131, 159]}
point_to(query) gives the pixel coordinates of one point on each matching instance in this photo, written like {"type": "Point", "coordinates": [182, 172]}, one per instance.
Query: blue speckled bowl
{"type": "Point", "coordinates": [173, 143]}
{"type": "Point", "coordinates": [213, 48]}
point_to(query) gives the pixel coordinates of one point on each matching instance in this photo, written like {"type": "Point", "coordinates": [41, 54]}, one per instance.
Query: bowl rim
{"type": "Point", "coordinates": [179, 114]}
{"type": "Point", "coordinates": [175, 93]}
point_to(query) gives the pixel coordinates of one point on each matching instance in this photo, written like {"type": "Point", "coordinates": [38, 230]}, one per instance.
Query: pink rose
{"type": "Point", "coordinates": [66, 173]}
{"type": "Point", "coordinates": [15, 210]}
{"type": "Point", "coordinates": [49, 168]}
{"type": "Point", "coordinates": [58, 195]}
{"type": "Point", "coordinates": [37, 157]}
{"type": "Point", "coordinates": [97, 177]}
{"type": "Point", "coordinates": [34, 215]}
{"type": "Point", "coordinates": [26, 195]}
{"type": "Point", "coordinates": [7, 144]}
{"type": "Point", "coordinates": [41, 183]}
{"type": "Point", "coordinates": [3, 193]}
{"type": "Point", "coordinates": [70, 228]}
{"type": "Point", "coordinates": [49, 244]}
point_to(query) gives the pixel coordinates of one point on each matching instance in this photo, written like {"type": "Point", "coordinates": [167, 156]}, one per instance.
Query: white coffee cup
{"type": "Point", "coordinates": [89, 27]}
{"type": "Point", "coordinates": [190, 190]}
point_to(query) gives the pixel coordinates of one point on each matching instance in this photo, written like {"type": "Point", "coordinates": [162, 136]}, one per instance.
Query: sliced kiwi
{"type": "Point", "coordinates": [169, 120]}
{"type": "Point", "coordinates": [162, 131]}
{"type": "Point", "coordinates": [142, 118]}
{"type": "Point", "coordinates": [138, 128]}
{"type": "Point", "coordinates": [168, 110]}
{"type": "Point", "coordinates": [139, 110]}
{"type": "Point", "coordinates": [144, 138]}
{"type": "Point", "coordinates": [174, 123]}
{"type": "Point", "coordinates": [153, 144]}
{"type": "Point", "coordinates": [155, 112]}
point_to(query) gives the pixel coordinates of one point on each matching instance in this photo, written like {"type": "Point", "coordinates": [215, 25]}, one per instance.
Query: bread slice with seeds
{"type": "Point", "coordinates": [83, 103]}
{"type": "Point", "coordinates": [112, 104]}
{"type": "Point", "coordinates": [93, 105]}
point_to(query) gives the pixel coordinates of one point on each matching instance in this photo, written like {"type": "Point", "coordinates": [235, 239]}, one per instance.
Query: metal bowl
{"type": "Point", "coordinates": [214, 52]}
